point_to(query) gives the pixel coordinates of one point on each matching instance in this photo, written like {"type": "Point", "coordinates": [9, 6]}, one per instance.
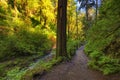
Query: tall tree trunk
{"type": "Point", "coordinates": [96, 9]}
{"type": "Point", "coordinates": [68, 31]}
{"type": "Point", "coordinates": [68, 27]}
{"type": "Point", "coordinates": [15, 8]}
{"type": "Point", "coordinates": [61, 28]}
{"type": "Point", "coordinates": [77, 26]}
{"type": "Point", "coordinates": [86, 10]}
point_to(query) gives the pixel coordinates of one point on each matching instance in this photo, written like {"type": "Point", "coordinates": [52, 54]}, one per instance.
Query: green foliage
{"type": "Point", "coordinates": [19, 32]}
{"type": "Point", "coordinates": [74, 28]}
{"type": "Point", "coordinates": [71, 47]}
{"type": "Point", "coordinates": [24, 42]}
{"type": "Point", "coordinates": [103, 40]}
{"type": "Point", "coordinates": [27, 29]}
{"type": "Point", "coordinates": [16, 66]}
{"type": "Point", "coordinates": [15, 74]}
{"type": "Point", "coordinates": [95, 55]}
{"type": "Point", "coordinates": [105, 64]}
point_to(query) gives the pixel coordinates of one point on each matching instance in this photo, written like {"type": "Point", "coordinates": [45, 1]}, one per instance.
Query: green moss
{"type": "Point", "coordinates": [15, 74]}
{"type": "Point", "coordinates": [103, 40]}
{"type": "Point", "coordinates": [21, 62]}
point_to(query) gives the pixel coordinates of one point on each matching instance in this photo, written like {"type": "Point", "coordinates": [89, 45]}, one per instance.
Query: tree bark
{"type": "Point", "coordinates": [86, 10]}
{"type": "Point", "coordinates": [61, 28]}
{"type": "Point", "coordinates": [96, 9]}
{"type": "Point", "coordinates": [77, 26]}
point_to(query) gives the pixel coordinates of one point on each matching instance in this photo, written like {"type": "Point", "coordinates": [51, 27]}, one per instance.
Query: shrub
{"type": "Point", "coordinates": [15, 74]}
{"type": "Point", "coordinates": [103, 40]}
{"type": "Point", "coordinates": [24, 42]}
{"type": "Point", "coordinates": [72, 45]}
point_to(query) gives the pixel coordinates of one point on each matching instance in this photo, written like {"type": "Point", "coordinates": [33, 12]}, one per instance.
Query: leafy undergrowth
{"type": "Point", "coordinates": [22, 69]}
{"type": "Point", "coordinates": [103, 40]}
{"type": "Point", "coordinates": [104, 51]}
{"type": "Point", "coordinates": [72, 45]}
{"type": "Point", "coordinates": [105, 64]}
{"type": "Point", "coordinates": [21, 62]}
{"type": "Point", "coordinates": [24, 42]}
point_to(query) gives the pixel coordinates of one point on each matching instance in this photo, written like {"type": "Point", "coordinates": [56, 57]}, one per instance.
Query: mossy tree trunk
{"type": "Point", "coordinates": [61, 28]}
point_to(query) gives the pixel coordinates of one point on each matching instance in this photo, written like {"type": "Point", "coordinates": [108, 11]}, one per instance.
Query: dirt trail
{"type": "Point", "coordinates": [76, 69]}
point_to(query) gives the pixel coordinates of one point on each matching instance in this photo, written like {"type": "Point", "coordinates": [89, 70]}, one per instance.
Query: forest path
{"type": "Point", "coordinates": [76, 69]}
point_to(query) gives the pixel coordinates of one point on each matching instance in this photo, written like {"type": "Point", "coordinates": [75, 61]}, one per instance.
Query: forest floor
{"type": "Point", "coordinates": [76, 69]}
